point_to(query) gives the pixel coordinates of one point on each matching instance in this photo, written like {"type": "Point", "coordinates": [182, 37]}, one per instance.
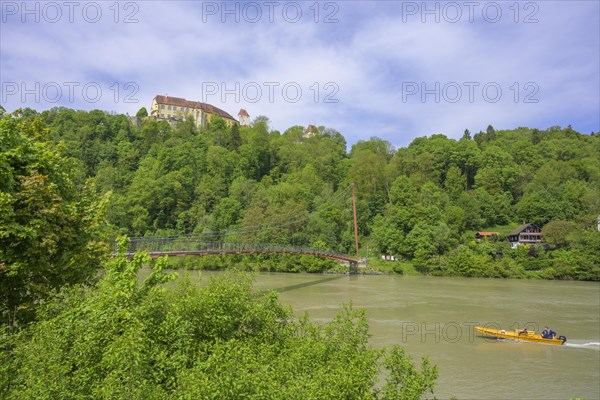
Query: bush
{"type": "Point", "coordinates": [125, 340]}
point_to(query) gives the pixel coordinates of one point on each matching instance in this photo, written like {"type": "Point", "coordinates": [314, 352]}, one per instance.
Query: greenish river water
{"type": "Point", "coordinates": [436, 316]}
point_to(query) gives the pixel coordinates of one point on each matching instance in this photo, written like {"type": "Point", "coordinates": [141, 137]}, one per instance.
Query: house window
{"type": "Point", "coordinates": [162, 106]}
{"type": "Point", "coordinates": [169, 107]}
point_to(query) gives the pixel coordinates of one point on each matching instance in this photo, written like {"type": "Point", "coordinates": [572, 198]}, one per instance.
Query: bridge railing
{"type": "Point", "coordinates": [197, 245]}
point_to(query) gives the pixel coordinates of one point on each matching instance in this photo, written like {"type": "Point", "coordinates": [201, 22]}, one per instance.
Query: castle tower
{"type": "Point", "coordinates": [244, 117]}
{"type": "Point", "coordinates": [310, 131]}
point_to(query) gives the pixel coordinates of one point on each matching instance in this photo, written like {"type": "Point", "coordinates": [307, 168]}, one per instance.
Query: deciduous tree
{"type": "Point", "coordinates": [50, 230]}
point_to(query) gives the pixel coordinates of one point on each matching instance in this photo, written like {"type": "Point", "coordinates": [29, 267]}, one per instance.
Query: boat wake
{"type": "Point", "coordinates": [589, 345]}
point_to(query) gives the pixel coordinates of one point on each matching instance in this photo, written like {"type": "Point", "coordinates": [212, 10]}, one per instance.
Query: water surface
{"type": "Point", "coordinates": [436, 316]}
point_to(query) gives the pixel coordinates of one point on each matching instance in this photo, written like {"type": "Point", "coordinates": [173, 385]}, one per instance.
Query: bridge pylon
{"type": "Point", "coordinates": [352, 268]}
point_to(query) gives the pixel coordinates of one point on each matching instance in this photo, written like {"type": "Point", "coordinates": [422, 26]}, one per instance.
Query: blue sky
{"type": "Point", "coordinates": [392, 69]}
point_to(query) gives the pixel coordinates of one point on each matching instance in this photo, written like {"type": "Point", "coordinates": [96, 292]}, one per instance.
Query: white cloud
{"type": "Point", "coordinates": [370, 55]}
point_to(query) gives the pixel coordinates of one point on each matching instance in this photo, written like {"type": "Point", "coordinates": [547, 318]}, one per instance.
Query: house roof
{"type": "Point", "coordinates": [243, 113]}
{"type": "Point", "coordinates": [179, 102]}
{"type": "Point", "coordinates": [488, 233]}
{"type": "Point", "coordinates": [520, 229]}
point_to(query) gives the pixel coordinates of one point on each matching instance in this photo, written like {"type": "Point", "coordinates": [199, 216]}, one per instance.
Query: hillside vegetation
{"type": "Point", "coordinates": [422, 203]}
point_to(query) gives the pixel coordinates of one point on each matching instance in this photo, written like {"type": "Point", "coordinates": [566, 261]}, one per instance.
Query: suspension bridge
{"type": "Point", "coordinates": [205, 244]}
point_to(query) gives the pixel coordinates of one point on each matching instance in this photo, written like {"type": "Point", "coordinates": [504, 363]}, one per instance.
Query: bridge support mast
{"type": "Point", "coordinates": [355, 223]}
{"type": "Point", "coordinates": [353, 266]}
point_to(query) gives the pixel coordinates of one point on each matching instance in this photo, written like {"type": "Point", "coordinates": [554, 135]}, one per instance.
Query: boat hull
{"type": "Point", "coordinates": [515, 335]}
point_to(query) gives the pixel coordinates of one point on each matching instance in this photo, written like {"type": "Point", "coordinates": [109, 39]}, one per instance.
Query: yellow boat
{"type": "Point", "coordinates": [528, 336]}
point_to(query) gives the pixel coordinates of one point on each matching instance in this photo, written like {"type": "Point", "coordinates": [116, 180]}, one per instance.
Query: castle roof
{"type": "Point", "coordinates": [196, 105]}
{"type": "Point", "coordinates": [243, 113]}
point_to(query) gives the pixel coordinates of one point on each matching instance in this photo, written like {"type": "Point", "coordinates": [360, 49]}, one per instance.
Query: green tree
{"type": "Point", "coordinates": [466, 156]}
{"type": "Point", "coordinates": [403, 193]}
{"type": "Point", "coordinates": [256, 154]}
{"type": "Point", "coordinates": [387, 236]}
{"type": "Point", "coordinates": [544, 205]}
{"type": "Point", "coordinates": [227, 213]}
{"type": "Point", "coordinates": [142, 113]}
{"type": "Point", "coordinates": [153, 132]}
{"type": "Point", "coordinates": [556, 233]}
{"type": "Point", "coordinates": [491, 133]}
{"type": "Point", "coordinates": [420, 241]}
{"type": "Point", "coordinates": [126, 340]}
{"type": "Point", "coordinates": [454, 183]}
{"type": "Point", "coordinates": [49, 229]}
{"type": "Point", "coordinates": [536, 136]}
{"type": "Point", "coordinates": [367, 171]}
{"type": "Point", "coordinates": [235, 139]}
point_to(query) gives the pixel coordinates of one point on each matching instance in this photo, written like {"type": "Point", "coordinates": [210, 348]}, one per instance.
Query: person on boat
{"type": "Point", "coordinates": [548, 333]}
{"type": "Point", "coordinates": [523, 332]}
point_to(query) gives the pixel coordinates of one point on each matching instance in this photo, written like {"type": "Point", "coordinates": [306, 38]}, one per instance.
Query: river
{"type": "Point", "coordinates": [435, 317]}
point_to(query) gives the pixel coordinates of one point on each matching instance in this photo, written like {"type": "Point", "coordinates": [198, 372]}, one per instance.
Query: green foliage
{"type": "Point", "coordinates": [126, 340]}
{"type": "Point", "coordinates": [142, 113]}
{"type": "Point", "coordinates": [264, 262]}
{"type": "Point", "coordinates": [405, 382]}
{"type": "Point", "coordinates": [50, 230]}
{"type": "Point", "coordinates": [417, 202]}
{"type": "Point", "coordinates": [556, 233]}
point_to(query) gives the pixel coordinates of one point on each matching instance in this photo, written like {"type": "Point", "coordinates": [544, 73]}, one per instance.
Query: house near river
{"type": "Point", "coordinates": [526, 234]}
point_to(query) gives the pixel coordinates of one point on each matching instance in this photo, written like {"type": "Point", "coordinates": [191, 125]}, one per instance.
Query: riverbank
{"type": "Point", "coordinates": [449, 267]}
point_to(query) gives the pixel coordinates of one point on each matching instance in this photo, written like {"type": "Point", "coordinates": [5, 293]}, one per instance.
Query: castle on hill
{"type": "Point", "coordinates": [175, 109]}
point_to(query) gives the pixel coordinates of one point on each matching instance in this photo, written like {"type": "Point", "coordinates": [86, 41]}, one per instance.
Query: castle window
{"type": "Point", "coordinates": [169, 107]}
{"type": "Point", "coordinates": [162, 106]}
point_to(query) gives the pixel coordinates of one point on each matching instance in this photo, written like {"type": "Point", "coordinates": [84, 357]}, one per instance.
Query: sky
{"type": "Point", "coordinates": [392, 69]}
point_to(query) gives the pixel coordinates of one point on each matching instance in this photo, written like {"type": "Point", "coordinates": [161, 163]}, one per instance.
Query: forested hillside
{"type": "Point", "coordinates": [422, 203]}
